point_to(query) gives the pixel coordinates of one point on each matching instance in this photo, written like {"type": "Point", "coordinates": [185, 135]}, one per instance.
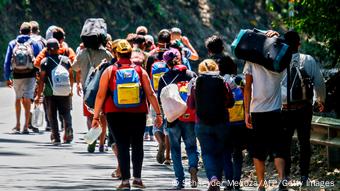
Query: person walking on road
{"type": "Point", "coordinates": [126, 110]}
{"type": "Point", "coordinates": [161, 134]}
{"type": "Point", "coordinates": [86, 60]}
{"type": "Point", "coordinates": [184, 126]}
{"type": "Point", "coordinates": [20, 73]}
{"type": "Point", "coordinates": [298, 115]}
{"type": "Point", "coordinates": [262, 102]}
{"type": "Point", "coordinates": [211, 96]}
{"type": "Point", "coordinates": [56, 81]}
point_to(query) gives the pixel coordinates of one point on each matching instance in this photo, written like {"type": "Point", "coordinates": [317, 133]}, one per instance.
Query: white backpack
{"type": "Point", "coordinates": [22, 57]}
{"type": "Point", "coordinates": [172, 103]}
{"type": "Point", "coordinates": [60, 84]}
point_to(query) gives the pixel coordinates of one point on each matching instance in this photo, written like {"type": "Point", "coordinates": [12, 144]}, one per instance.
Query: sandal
{"type": "Point", "coordinates": [116, 174]}
{"type": "Point", "coordinates": [15, 131]}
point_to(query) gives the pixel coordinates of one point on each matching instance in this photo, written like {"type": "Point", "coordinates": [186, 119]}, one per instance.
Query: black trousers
{"type": "Point", "coordinates": [61, 104]}
{"type": "Point", "coordinates": [299, 120]}
{"type": "Point", "coordinates": [128, 129]}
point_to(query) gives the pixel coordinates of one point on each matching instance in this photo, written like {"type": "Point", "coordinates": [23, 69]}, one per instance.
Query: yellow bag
{"type": "Point", "coordinates": [156, 78]}
{"type": "Point", "coordinates": [236, 113]}
{"type": "Point", "coordinates": [128, 93]}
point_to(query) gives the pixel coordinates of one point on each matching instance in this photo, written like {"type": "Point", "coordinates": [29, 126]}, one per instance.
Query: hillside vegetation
{"type": "Point", "coordinates": [198, 19]}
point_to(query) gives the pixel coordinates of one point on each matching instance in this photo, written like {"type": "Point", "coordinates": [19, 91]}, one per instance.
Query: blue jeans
{"type": "Point", "coordinates": [233, 155]}
{"type": "Point", "coordinates": [213, 140]}
{"type": "Point", "coordinates": [187, 132]}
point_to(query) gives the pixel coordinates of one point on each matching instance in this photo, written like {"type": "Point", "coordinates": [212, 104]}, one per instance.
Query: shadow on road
{"type": "Point", "coordinates": [2, 140]}
{"type": "Point", "coordinates": [12, 154]}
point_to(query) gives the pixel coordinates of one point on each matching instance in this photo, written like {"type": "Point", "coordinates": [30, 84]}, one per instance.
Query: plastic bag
{"type": "Point", "coordinates": [38, 116]}
{"type": "Point", "coordinates": [92, 135]}
{"type": "Point", "coordinates": [173, 104]}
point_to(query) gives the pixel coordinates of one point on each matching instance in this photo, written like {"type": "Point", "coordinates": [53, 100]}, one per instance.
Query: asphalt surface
{"type": "Point", "coordinates": [31, 162]}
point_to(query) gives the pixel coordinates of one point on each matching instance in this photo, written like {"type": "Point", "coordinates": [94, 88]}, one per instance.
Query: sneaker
{"type": "Point", "coordinates": [193, 177]}
{"type": "Point", "coordinates": [179, 185]}
{"type": "Point", "coordinates": [48, 128]}
{"type": "Point", "coordinates": [92, 147]}
{"type": "Point", "coordinates": [214, 185]}
{"type": "Point", "coordinates": [138, 184]}
{"type": "Point", "coordinates": [160, 154]}
{"type": "Point", "coordinates": [146, 136]}
{"type": "Point", "coordinates": [124, 186]}
{"type": "Point", "coordinates": [34, 129]}
{"type": "Point", "coordinates": [56, 142]}
{"type": "Point", "coordinates": [25, 132]}
{"type": "Point", "coordinates": [68, 136]}
{"type": "Point", "coordinates": [167, 162]}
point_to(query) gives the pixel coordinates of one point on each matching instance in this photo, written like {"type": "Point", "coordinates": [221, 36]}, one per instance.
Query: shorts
{"type": "Point", "coordinates": [267, 136]}
{"type": "Point", "coordinates": [162, 129]}
{"type": "Point", "coordinates": [86, 112]}
{"type": "Point", "coordinates": [151, 116]}
{"type": "Point", "coordinates": [24, 88]}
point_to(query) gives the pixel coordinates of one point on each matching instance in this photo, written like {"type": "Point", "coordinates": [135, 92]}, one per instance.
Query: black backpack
{"type": "Point", "coordinates": [91, 84]}
{"type": "Point", "coordinates": [210, 99]}
{"type": "Point", "coordinates": [256, 47]}
{"type": "Point", "coordinates": [301, 83]}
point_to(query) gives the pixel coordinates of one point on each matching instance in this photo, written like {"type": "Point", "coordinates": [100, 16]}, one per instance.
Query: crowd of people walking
{"type": "Point", "coordinates": [145, 89]}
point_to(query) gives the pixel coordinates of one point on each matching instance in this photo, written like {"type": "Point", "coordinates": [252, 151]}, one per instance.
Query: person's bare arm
{"type": "Point", "coordinates": [247, 98]}
{"type": "Point", "coordinates": [151, 96]}
{"type": "Point", "coordinates": [79, 86]}
{"type": "Point", "coordinates": [70, 71]}
{"type": "Point", "coordinates": [194, 54]}
{"type": "Point", "coordinates": [40, 86]}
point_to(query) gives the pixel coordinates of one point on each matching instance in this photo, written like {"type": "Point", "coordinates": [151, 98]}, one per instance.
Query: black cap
{"type": "Point", "coordinates": [52, 44]}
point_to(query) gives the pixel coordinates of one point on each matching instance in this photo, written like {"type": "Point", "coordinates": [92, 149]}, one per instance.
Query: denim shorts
{"type": "Point", "coordinates": [162, 129]}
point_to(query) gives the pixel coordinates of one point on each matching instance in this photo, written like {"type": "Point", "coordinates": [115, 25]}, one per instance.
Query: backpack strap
{"type": "Point", "coordinates": [171, 80]}
{"type": "Point", "coordinates": [139, 71]}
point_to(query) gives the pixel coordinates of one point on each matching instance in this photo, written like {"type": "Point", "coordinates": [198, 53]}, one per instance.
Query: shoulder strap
{"type": "Point", "coordinates": [60, 60]}
{"type": "Point", "coordinates": [171, 81]}
{"type": "Point", "coordinates": [299, 73]}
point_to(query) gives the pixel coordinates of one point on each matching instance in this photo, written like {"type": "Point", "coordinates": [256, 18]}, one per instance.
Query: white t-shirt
{"type": "Point", "coordinates": [266, 88]}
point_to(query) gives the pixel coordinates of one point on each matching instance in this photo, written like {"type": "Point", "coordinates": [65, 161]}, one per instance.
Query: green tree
{"type": "Point", "coordinates": [318, 19]}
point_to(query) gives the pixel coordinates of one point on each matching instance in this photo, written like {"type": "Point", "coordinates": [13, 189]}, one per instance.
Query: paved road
{"type": "Point", "coordinates": [30, 162]}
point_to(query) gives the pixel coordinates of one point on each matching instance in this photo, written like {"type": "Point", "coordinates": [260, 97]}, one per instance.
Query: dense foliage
{"type": "Point", "coordinates": [318, 20]}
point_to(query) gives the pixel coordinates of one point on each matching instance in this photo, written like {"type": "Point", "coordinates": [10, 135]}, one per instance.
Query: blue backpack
{"type": "Point", "coordinates": [128, 91]}
{"type": "Point", "coordinates": [157, 70]}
